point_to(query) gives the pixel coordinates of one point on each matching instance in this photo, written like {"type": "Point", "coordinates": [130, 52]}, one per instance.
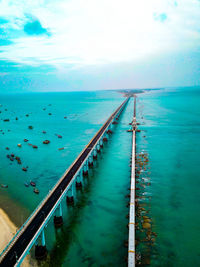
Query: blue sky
{"type": "Point", "coordinates": [61, 45]}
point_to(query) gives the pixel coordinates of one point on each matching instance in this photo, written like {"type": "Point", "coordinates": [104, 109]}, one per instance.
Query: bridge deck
{"type": "Point", "coordinates": [22, 241]}
{"type": "Point", "coordinates": [131, 242]}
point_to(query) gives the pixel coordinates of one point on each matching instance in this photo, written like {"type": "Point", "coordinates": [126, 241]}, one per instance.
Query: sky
{"type": "Point", "coordinates": [66, 45]}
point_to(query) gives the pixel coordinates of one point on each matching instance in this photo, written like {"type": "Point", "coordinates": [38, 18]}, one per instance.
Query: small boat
{"type": "Point", "coordinates": [24, 169]}
{"type": "Point", "coordinates": [25, 140]}
{"type": "Point", "coordinates": [32, 183]}
{"type": "Point", "coordinates": [46, 142]}
{"type": "Point", "coordinates": [4, 185]}
{"type": "Point", "coordinates": [36, 191]}
{"type": "Point", "coordinates": [58, 135]}
{"type": "Point", "coordinates": [34, 146]}
{"type": "Point", "coordinates": [26, 184]}
{"type": "Point", "coordinates": [30, 127]}
{"type": "Point", "coordinates": [61, 148]}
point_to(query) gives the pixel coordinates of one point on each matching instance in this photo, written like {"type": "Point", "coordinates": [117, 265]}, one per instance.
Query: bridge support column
{"type": "Point", "coordinates": [90, 162]}
{"type": "Point", "coordinates": [101, 143]}
{"type": "Point", "coordinates": [85, 169]}
{"type": "Point", "coordinates": [94, 154]}
{"type": "Point", "coordinates": [109, 131]}
{"type": "Point", "coordinates": [79, 180]}
{"type": "Point", "coordinates": [58, 219]}
{"type": "Point", "coordinates": [114, 122]}
{"type": "Point", "coordinates": [70, 195]}
{"type": "Point", "coordinates": [41, 250]}
{"type": "Point", "coordinates": [105, 137]}
{"type": "Point", "coordinates": [98, 148]}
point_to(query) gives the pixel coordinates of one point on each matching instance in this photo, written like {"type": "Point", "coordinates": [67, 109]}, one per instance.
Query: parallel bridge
{"type": "Point", "coordinates": [32, 231]}
{"type": "Point", "coordinates": [131, 241]}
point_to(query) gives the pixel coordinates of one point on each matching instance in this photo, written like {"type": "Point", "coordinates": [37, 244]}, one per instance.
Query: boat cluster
{"type": "Point", "coordinates": [15, 158]}
{"type": "Point", "coordinates": [12, 157]}
{"type": "Point", "coordinates": [33, 184]}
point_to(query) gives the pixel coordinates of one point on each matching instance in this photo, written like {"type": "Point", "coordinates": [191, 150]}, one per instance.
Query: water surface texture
{"type": "Point", "coordinates": [95, 229]}
{"type": "Point", "coordinates": [171, 124]}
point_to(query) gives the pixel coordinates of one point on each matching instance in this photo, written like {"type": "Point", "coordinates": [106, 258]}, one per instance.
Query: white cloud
{"type": "Point", "coordinates": [95, 32]}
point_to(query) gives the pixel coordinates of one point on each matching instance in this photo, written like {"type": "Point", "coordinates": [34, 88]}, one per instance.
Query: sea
{"type": "Point", "coordinates": [95, 229]}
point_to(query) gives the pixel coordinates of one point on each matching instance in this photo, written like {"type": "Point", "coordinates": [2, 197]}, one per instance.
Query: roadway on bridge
{"type": "Point", "coordinates": [27, 234]}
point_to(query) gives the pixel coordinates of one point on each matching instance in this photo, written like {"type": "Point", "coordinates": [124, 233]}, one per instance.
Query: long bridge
{"type": "Point", "coordinates": [32, 231]}
{"type": "Point", "coordinates": [131, 241]}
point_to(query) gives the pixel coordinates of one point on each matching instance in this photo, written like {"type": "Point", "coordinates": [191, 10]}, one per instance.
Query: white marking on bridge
{"type": "Point", "coordinates": [131, 241]}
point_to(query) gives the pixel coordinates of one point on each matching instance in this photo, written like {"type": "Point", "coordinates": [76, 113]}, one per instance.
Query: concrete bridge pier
{"type": "Point", "coordinates": [94, 154]}
{"type": "Point", "coordinates": [70, 195]}
{"type": "Point", "coordinates": [85, 168]}
{"type": "Point", "coordinates": [79, 180]}
{"type": "Point", "coordinates": [109, 130]}
{"type": "Point", "coordinates": [101, 143]}
{"type": "Point", "coordinates": [114, 121]}
{"type": "Point", "coordinates": [90, 162]}
{"type": "Point", "coordinates": [105, 137]}
{"type": "Point", "coordinates": [98, 148]}
{"type": "Point", "coordinates": [41, 250]}
{"type": "Point", "coordinates": [58, 219]}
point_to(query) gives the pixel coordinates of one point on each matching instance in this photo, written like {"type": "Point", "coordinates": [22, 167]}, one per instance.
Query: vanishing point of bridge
{"type": "Point", "coordinates": [32, 231]}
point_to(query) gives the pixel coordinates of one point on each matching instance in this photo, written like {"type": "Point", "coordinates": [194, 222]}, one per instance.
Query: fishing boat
{"type": "Point", "coordinates": [36, 191]}
{"type": "Point", "coordinates": [32, 183]}
{"type": "Point", "coordinates": [46, 142]}
{"type": "Point", "coordinates": [4, 185]}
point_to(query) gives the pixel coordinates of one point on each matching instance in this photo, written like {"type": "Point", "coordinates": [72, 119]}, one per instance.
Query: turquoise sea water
{"type": "Point", "coordinates": [171, 124]}
{"type": "Point", "coordinates": [95, 229]}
